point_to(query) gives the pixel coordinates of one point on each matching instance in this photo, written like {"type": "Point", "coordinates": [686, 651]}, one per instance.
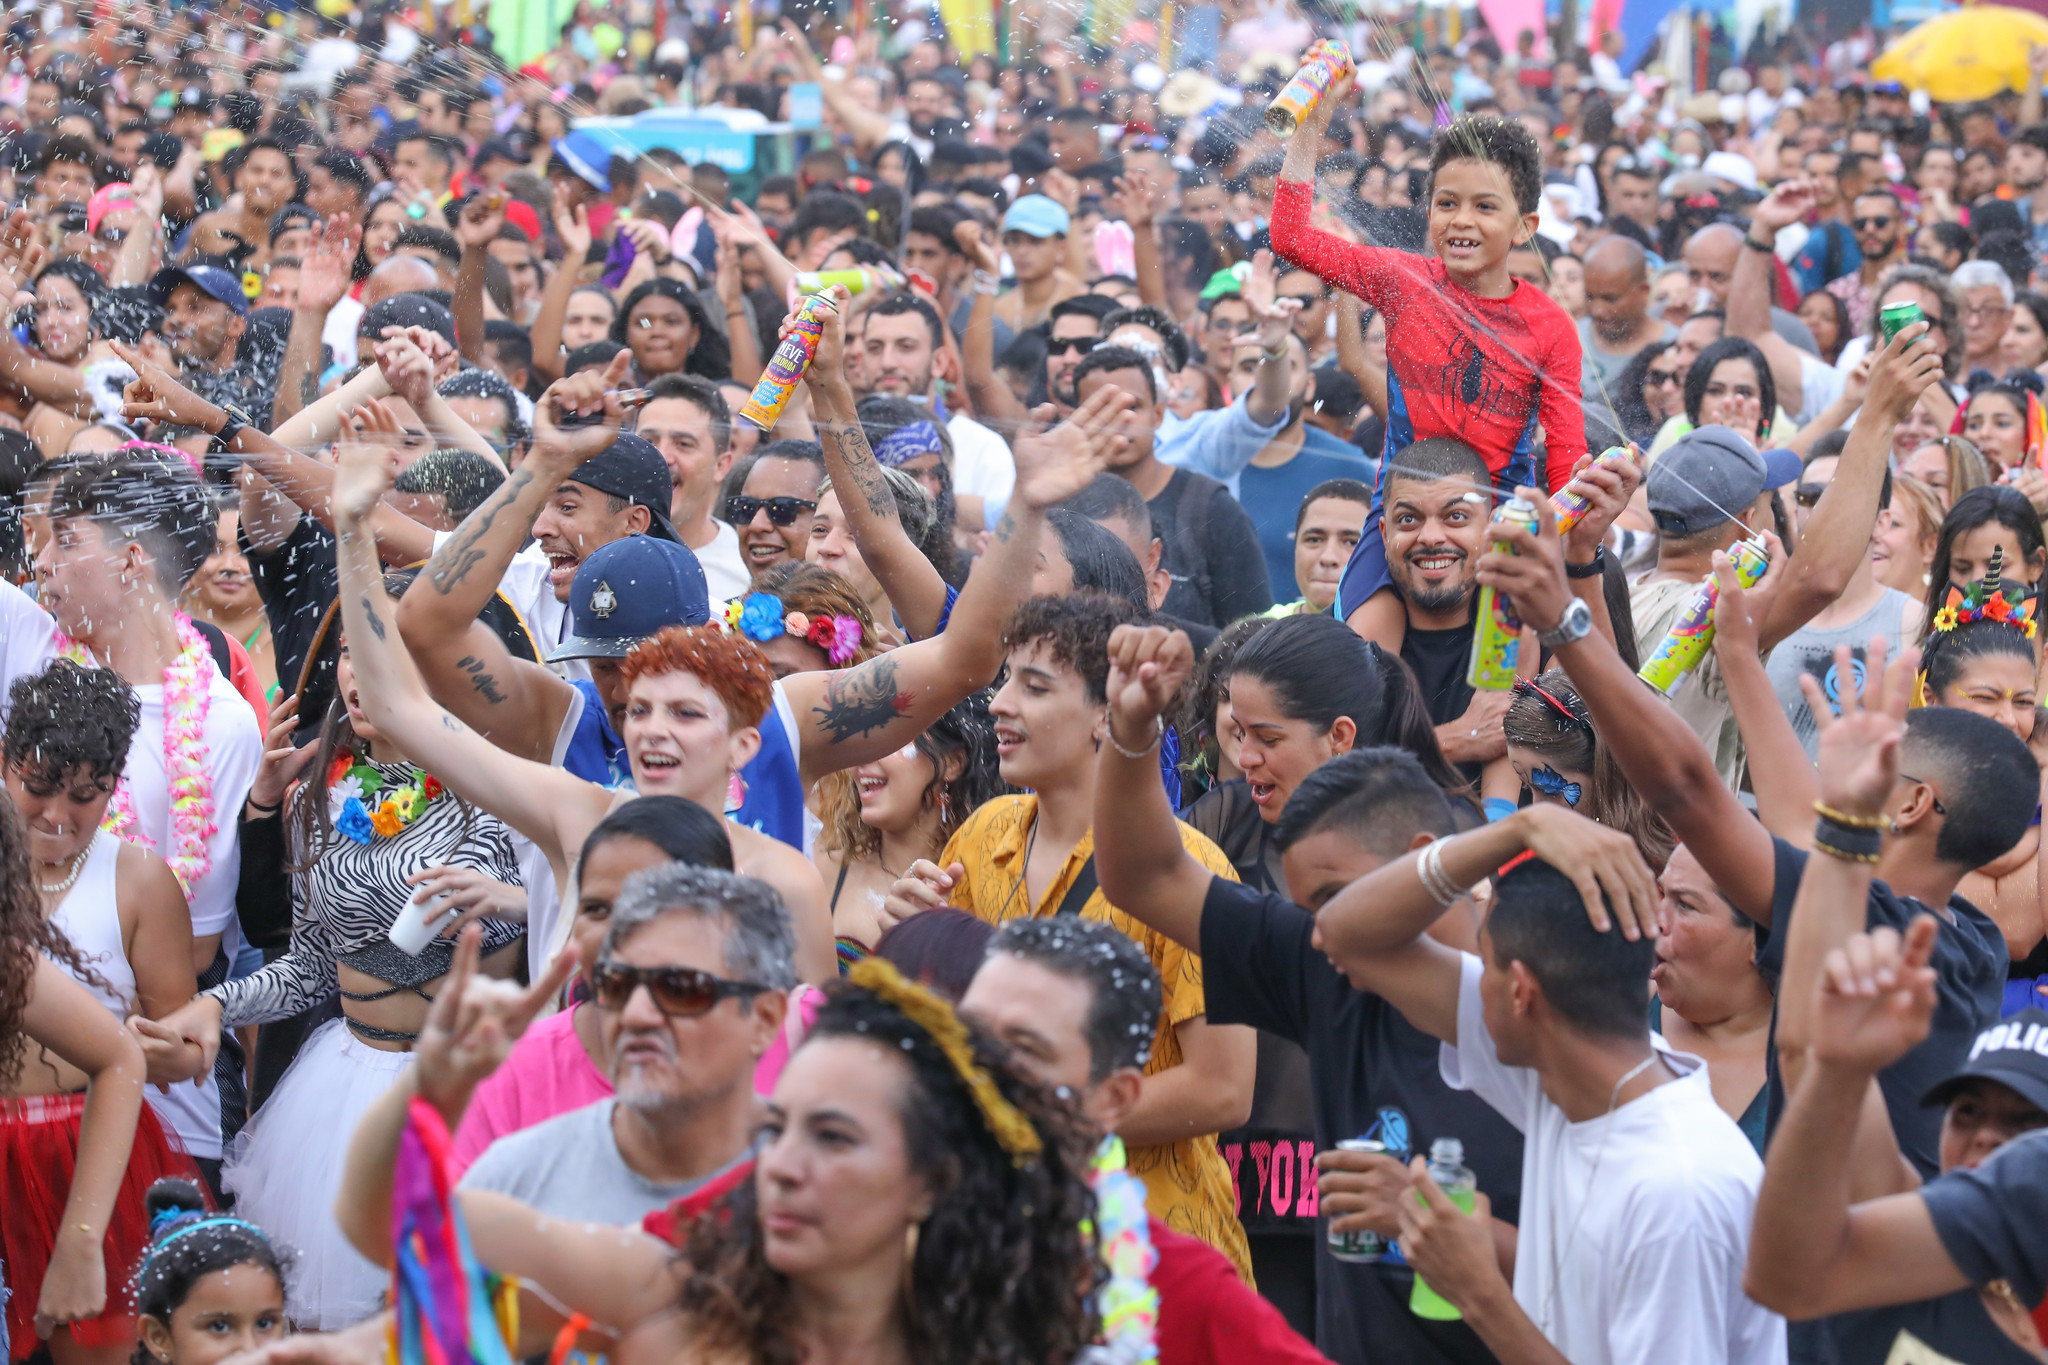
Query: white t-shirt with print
{"type": "Point", "coordinates": [1635, 1225]}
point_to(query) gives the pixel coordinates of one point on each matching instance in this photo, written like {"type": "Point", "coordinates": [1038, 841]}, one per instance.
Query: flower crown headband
{"type": "Point", "coordinates": [1006, 1123]}
{"type": "Point", "coordinates": [1985, 600]}
{"type": "Point", "coordinates": [760, 617]}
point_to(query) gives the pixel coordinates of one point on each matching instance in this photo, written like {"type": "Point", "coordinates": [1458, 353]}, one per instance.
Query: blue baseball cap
{"type": "Point", "coordinates": [1037, 216]}
{"type": "Point", "coordinates": [628, 590]}
{"type": "Point", "coordinates": [210, 280]}
{"type": "Point", "coordinates": [589, 156]}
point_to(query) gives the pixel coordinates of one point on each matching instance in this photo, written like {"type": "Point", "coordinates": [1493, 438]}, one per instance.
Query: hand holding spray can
{"type": "Point", "coordinates": [791, 359]}
{"type": "Point", "coordinates": [1322, 66]}
{"type": "Point", "coordinates": [1496, 630]}
{"type": "Point", "coordinates": [1692, 633]}
{"type": "Point", "coordinates": [1569, 505]}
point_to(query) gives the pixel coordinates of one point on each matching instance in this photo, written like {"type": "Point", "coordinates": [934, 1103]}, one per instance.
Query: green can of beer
{"type": "Point", "coordinates": [1894, 316]}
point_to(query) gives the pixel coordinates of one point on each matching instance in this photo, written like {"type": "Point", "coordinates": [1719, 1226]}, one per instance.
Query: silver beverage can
{"type": "Point", "coordinates": [1362, 1247]}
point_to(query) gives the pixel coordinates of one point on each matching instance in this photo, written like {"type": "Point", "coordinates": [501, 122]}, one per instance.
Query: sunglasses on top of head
{"type": "Point", "coordinates": [740, 510]}
{"type": "Point", "coordinates": [679, 992]}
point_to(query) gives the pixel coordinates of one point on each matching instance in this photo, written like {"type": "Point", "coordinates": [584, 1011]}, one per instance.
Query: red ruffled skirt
{"type": "Point", "coordinates": [38, 1149]}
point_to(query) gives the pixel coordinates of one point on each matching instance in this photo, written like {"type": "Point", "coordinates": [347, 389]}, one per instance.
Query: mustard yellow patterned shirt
{"type": "Point", "coordinates": [1187, 1183]}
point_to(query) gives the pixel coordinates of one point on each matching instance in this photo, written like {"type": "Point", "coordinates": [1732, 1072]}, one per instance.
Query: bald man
{"type": "Point", "coordinates": [1618, 322]}
{"type": "Point", "coordinates": [1709, 258]}
{"type": "Point", "coordinates": [397, 274]}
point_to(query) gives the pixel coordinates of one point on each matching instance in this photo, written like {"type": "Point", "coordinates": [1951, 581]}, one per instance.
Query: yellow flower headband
{"type": "Point", "coordinates": [1006, 1123]}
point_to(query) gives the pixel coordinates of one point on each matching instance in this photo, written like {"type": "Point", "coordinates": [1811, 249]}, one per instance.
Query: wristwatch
{"type": "Point", "coordinates": [1575, 625]}
{"type": "Point", "coordinates": [224, 439]}
{"type": "Point", "coordinates": [1591, 568]}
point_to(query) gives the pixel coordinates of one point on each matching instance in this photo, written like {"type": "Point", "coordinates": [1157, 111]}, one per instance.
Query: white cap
{"type": "Point", "coordinates": [1732, 167]}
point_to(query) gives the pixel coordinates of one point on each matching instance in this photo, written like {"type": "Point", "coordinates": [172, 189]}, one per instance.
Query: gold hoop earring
{"type": "Point", "coordinates": [910, 1237]}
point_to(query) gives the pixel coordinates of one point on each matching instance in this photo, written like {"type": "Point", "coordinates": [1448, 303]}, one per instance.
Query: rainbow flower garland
{"type": "Point", "coordinates": [358, 810]}
{"type": "Point", "coordinates": [1128, 1303]}
{"type": "Point", "coordinates": [188, 686]}
{"type": "Point", "coordinates": [759, 616]}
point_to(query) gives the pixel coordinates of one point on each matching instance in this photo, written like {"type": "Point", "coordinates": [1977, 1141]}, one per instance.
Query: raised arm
{"type": "Point", "coordinates": [1811, 1252]}
{"type": "Point", "coordinates": [739, 322]}
{"type": "Point", "coordinates": [1658, 752]}
{"type": "Point", "coordinates": [1354, 357]}
{"type": "Point", "coordinates": [324, 280]}
{"type": "Point", "coordinates": [549, 806]}
{"type": "Point", "coordinates": [573, 227]}
{"type": "Point", "coordinates": [1135, 199]}
{"type": "Point", "coordinates": [1837, 536]}
{"type": "Point", "coordinates": [62, 1016]}
{"type": "Point", "coordinates": [1780, 774]}
{"type": "Point", "coordinates": [992, 397]}
{"type": "Point", "coordinates": [913, 585]}
{"type": "Point", "coordinates": [868, 129]}
{"type": "Point", "coordinates": [516, 703]}
{"type": "Point", "coordinates": [1376, 929]}
{"type": "Point", "coordinates": [1753, 284]}
{"type": "Point", "coordinates": [1145, 870]}
{"type": "Point", "coordinates": [856, 716]}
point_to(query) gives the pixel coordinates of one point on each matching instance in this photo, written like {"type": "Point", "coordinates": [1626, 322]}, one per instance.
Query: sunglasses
{"type": "Point", "coordinates": [1939, 809]}
{"type": "Point", "coordinates": [679, 992]}
{"type": "Point", "coordinates": [781, 511]}
{"type": "Point", "coordinates": [1807, 494]}
{"type": "Point", "coordinates": [1061, 345]}
{"type": "Point", "coordinates": [1659, 378]}
{"type": "Point", "coordinates": [1873, 224]}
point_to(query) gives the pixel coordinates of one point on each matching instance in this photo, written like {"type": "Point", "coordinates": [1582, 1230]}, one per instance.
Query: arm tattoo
{"type": "Point", "coordinates": [453, 561]}
{"type": "Point", "coordinates": [1006, 528]}
{"type": "Point", "coordinates": [376, 624]}
{"type": "Point", "coordinates": [484, 683]}
{"type": "Point", "coordinates": [862, 701]}
{"type": "Point", "coordinates": [852, 444]}
{"type": "Point", "coordinates": [309, 388]}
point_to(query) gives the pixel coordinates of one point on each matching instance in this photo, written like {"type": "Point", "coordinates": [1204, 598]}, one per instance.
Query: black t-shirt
{"type": "Point", "coordinates": [1210, 550]}
{"type": "Point", "coordinates": [1969, 966]}
{"type": "Point", "coordinates": [296, 581]}
{"type": "Point", "coordinates": [1957, 1326]}
{"type": "Point", "coordinates": [1372, 1074]}
{"type": "Point", "coordinates": [1440, 659]}
{"type": "Point", "coordinates": [1994, 1220]}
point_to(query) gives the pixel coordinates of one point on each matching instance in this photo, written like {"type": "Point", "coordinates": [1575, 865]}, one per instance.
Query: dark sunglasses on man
{"type": "Point", "coordinates": [740, 510]}
{"type": "Point", "coordinates": [679, 992]}
{"type": "Point", "coordinates": [1877, 224]}
{"type": "Point", "coordinates": [1061, 345]}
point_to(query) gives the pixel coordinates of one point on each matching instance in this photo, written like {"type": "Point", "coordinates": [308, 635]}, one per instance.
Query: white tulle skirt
{"type": "Point", "coordinates": [285, 1169]}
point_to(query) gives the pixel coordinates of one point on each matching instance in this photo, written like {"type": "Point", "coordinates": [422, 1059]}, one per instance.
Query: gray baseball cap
{"type": "Point", "coordinates": [1709, 477]}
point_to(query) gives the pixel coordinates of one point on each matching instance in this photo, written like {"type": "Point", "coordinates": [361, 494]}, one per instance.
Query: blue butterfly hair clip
{"type": "Point", "coordinates": [1548, 781]}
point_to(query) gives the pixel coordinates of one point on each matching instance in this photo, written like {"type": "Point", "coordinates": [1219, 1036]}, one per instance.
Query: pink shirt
{"type": "Point", "coordinates": [547, 1073]}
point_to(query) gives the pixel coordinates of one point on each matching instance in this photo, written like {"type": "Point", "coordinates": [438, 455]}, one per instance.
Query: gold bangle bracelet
{"type": "Point", "coordinates": [1827, 812]}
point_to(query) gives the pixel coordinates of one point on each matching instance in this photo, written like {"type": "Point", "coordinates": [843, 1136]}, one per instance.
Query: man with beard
{"type": "Point", "coordinates": [1879, 222]}
{"type": "Point", "coordinates": [684, 1112]}
{"type": "Point", "coordinates": [903, 345]}
{"type": "Point", "coordinates": [2026, 170]}
{"type": "Point", "coordinates": [207, 330]}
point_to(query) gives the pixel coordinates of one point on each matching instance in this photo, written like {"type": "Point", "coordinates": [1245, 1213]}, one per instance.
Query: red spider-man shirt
{"type": "Point", "coordinates": [1484, 371]}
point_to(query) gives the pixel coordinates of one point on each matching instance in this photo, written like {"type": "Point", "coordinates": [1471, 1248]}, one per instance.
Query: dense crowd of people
{"type": "Point", "coordinates": [1513, 606]}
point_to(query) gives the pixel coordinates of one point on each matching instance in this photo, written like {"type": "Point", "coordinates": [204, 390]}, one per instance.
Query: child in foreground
{"type": "Point", "coordinates": [210, 1286]}
{"type": "Point", "coordinates": [1472, 352]}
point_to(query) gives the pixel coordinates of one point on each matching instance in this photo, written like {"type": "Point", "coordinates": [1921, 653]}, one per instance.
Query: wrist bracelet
{"type": "Point", "coordinates": [1158, 735]}
{"type": "Point", "coordinates": [986, 282]}
{"type": "Point", "coordinates": [1850, 845]}
{"type": "Point", "coordinates": [1592, 568]}
{"type": "Point", "coordinates": [262, 809]}
{"type": "Point", "coordinates": [1846, 820]}
{"type": "Point", "coordinates": [1429, 867]}
{"type": "Point", "coordinates": [1767, 248]}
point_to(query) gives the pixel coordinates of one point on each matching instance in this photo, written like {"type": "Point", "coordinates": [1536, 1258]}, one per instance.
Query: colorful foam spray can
{"type": "Point", "coordinates": [1569, 505]}
{"type": "Point", "coordinates": [1496, 630]}
{"type": "Point", "coordinates": [1692, 634]}
{"type": "Point", "coordinates": [764, 406]}
{"type": "Point", "coordinates": [1364, 1246]}
{"type": "Point", "coordinates": [818, 281]}
{"type": "Point", "coordinates": [1322, 66]}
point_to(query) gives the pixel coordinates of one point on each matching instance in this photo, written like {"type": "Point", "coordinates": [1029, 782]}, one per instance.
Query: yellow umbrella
{"type": "Point", "coordinates": [1968, 54]}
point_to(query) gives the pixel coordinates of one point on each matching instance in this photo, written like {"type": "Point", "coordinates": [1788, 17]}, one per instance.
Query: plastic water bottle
{"type": "Point", "coordinates": [1447, 1168]}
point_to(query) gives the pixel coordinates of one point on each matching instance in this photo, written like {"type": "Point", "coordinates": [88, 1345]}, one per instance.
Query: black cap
{"type": "Point", "coordinates": [628, 590]}
{"type": "Point", "coordinates": [406, 310]}
{"type": "Point", "coordinates": [2013, 1052]}
{"type": "Point", "coordinates": [631, 468]}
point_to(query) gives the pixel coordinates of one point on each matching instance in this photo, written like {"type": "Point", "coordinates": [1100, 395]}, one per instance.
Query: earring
{"type": "Point", "coordinates": [910, 1235]}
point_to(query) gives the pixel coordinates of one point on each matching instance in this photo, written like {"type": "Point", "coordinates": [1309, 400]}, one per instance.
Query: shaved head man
{"type": "Point", "coordinates": [1709, 258]}
{"type": "Point", "coordinates": [1618, 322]}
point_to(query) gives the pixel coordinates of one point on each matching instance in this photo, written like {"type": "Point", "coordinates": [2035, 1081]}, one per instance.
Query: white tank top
{"type": "Point", "coordinates": [90, 916]}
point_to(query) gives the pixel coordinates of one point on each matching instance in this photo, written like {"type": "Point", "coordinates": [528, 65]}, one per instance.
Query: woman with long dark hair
{"type": "Point", "coordinates": [1648, 393]}
{"type": "Point", "coordinates": [70, 1219]}
{"type": "Point", "coordinates": [1730, 385]}
{"type": "Point", "coordinates": [1983, 520]}
{"type": "Point", "coordinates": [664, 325]}
{"type": "Point", "coordinates": [1558, 755]}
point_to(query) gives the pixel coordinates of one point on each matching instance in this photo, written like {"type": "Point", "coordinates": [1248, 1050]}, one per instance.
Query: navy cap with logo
{"type": "Point", "coordinates": [2013, 1052]}
{"type": "Point", "coordinates": [209, 280]}
{"type": "Point", "coordinates": [628, 590]}
{"type": "Point", "coordinates": [631, 468]}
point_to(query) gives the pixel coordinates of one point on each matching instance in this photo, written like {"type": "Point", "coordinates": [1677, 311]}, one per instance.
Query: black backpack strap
{"type": "Point", "coordinates": [1085, 883]}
